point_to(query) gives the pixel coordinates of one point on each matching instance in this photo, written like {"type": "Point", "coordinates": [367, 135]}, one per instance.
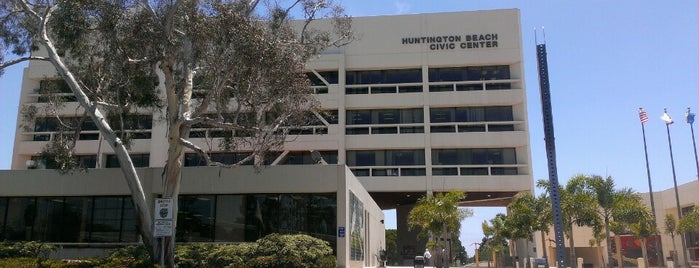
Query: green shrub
{"type": "Point", "coordinates": [29, 262]}
{"type": "Point", "coordinates": [129, 256]}
{"type": "Point", "coordinates": [230, 255]}
{"type": "Point", "coordinates": [30, 249]}
{"type": "Point", "coordinates": [192, 255]}
{"type": "Point", "coordinates": [301, 251]}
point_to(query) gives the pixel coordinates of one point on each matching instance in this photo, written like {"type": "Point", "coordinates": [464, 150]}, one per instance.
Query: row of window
{"type": "Point", "coordinates": [193, 159]}
{"type": "Point", "coordinates": [437, 115]}
{"type": "Point", "coordinates": [68, 219]}
{"type": "Point", "coordinates": [137, 127]}
{"type": "Point", "coordinates": [414, 75]}
{"type": "Point", "coordinates": [56, 89]}
{"type": "Point", "coordinates": [112, 219]}
{"type": "Point", "coordinates": [479, 156]}
{"type": "Point", "coordinates": [415, 157]}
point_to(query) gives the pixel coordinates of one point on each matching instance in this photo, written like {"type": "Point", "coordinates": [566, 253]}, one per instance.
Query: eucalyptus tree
{"type": "Point", "coordinates": [438, 215]}
{"type": "Point", "coordinates": [212, 63]}
{"type": "Point", "coordinates": [577, 208]}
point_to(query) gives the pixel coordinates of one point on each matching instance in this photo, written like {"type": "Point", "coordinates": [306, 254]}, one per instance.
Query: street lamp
{"type": "Point", "coordinates": [689, 117]}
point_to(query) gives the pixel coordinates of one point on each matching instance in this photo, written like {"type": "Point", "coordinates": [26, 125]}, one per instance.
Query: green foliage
{"type": "Point", "coordinates": [438, 213]}
{"type": "Point", "coordinates": [129, 256]}
{"type": "Point", "coordinates": [272, 251]}
{"type": "Point", "coordinates": [689, 221]}
{"type": "Point", "coordinates": [277, 250]}
{"type": "Point", "coordinates": [30, 249]}
{"type": "Point", "coordinates": [393, 255]}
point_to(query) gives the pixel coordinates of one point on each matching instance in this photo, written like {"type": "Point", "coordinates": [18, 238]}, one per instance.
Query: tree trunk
{"type": "Point", "coordinates": [132, 180]}
{"type": "Point", "coordinates": [620, 257]}
{"type": "Point", "coordinates": [600, 253]}
{"type": "Point", "coordinates": [544, 248]}
{"type": "Point", "coordinates": [643, 251]}
{"type": "Point", "coordinates": [609, 244]}
{"type": "Point", "coordinates": [674, 248]}
{"type": "Point", "coordinates": [573, 260]}
{"type": "Point", "coordinates": [173, 167]}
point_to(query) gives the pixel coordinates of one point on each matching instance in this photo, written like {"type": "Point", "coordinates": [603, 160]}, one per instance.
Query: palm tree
{"type": "Point", "coordinates": [638, 220]}
{"type": "Point", "coordinates": [438, 215]}
{"type": "Point", "coordinates": [671, 229]}
{"type": "Point", "coordinates": [576, 208]}
{"type": "Point", "coordinates": [608, 199]}
{"type": "Point", "coordinates": [527, 215]}
{"type": "Point", "coordinates": [496, 236]}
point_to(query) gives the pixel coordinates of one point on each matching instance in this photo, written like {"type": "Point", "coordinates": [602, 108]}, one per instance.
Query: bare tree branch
{"type": "Point", "coordinates": [207, 158]}
{"type": "Point", "coordinates": [19, 60]}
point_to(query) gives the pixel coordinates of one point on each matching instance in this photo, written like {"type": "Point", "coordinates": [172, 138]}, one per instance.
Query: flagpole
{"type": "Point", "coordinates": [668, 122]}
{"type": "Point", "coordinates": [643, 116]}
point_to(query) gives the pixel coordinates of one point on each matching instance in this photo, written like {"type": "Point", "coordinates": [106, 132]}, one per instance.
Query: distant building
{"type": "Point", "coordinates": [665, 204]}
{"type": "Point", "coordinates": [417, 104]}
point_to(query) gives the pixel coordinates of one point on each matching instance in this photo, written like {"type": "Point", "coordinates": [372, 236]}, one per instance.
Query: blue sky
{"type": "Point", "coordinates": [606, 59]}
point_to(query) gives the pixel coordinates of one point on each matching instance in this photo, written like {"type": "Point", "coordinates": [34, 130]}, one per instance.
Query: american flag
{"type": "Point", "coordinates": [642, 115]}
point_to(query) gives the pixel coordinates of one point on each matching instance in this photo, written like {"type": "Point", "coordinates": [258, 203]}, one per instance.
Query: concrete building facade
{"type": "Point", "coordinates": [417, 104]}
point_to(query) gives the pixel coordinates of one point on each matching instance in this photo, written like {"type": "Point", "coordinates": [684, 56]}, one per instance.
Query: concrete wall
{"type": "Point", "coordinates": [213, 180]}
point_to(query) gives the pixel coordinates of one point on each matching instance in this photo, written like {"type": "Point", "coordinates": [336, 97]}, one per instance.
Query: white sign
{"type": "Point", "coordinates": [163, 209]}
{"type": "Point", "coordinates": [163, 228]}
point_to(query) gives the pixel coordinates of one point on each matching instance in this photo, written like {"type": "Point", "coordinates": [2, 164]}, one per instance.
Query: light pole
{"type": "Point", "coordinates": [689, 117]}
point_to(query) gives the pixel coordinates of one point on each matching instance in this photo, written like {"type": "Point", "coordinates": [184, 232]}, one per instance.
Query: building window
{"type": "Point", "coordinates": [377, 81]}
{"type": "Point", "coordinates": [473, 73]}
{"type": "Point", "coordinates": [386, 158]}
{"type": "Point", "coordinates": [392, 121]}
{"type": "Point", "coordinates": [245, 218]}
{"type": "Point", "coordinates": [68, 219]}
{"type": "Point", "coordinates": [139, 160]}
{"type": "Point", "coordinates": [469, 78]}
{"type": "Point", "coordinates": [471, 114]}
{"type": "Point", "coordinates": [491, 156]}
{"type": "Point", "coordinates": [194, 159]}
{"type": "Point", "coordinates": [137, 126]}
{"type": "Point", "coordinates": [81, 161]}
{"type": "Point", "coordinates": [384, 116]}
{"type": "Point", "coordinates": [307, 158]}
{"type": "Point", "coordinates": [441, 119]}
{"type": "Point", "coordinates": [195, 218]}
{"type": "Point", "coordinates": [398, 76]}
{"type": "Point", "coordinates": [44, 126]}
{"type": "Point", "coordinates": [54, 90]}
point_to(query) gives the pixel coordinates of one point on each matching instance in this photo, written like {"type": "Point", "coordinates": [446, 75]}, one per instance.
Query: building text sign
{"type": "Point", "coordinates": [454, 41]}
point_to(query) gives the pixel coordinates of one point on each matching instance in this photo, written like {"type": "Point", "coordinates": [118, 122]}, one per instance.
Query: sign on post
{"type": "Point", "coordinates": [164, 208]}
{"type": "Point", "coordinates": [162, 228]}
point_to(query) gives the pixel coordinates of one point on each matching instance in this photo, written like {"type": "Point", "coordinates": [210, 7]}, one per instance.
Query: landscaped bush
{"type": "Point", "coordinates": [301, 251]}
{"type": "Point", "coordinates": [129, 257]}
{"type": "Point", "coordinates": [273, 251]}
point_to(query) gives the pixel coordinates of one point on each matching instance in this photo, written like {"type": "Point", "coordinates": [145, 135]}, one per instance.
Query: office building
{"type": "Point", "coordinates": [417, 104]}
